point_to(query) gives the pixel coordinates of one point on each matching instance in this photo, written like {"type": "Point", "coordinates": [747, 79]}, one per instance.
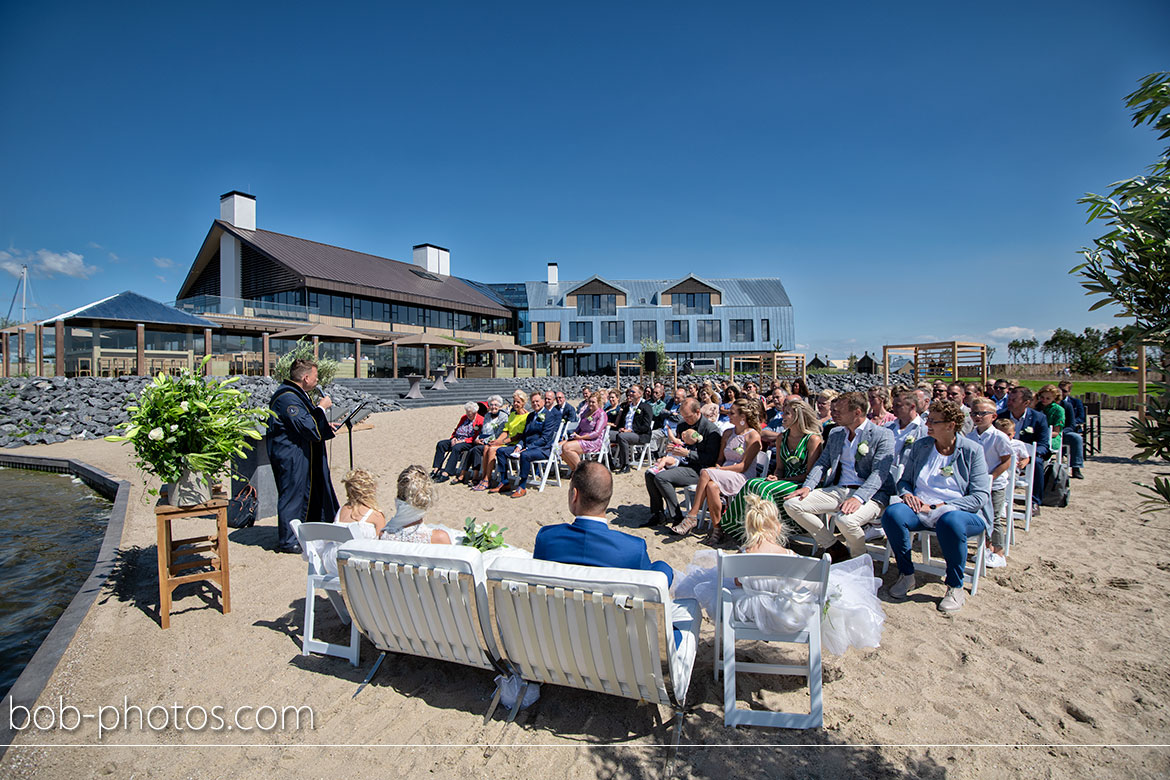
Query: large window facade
{"type": "Point", "coordinates": [596, 305]}
{"type": "Point", "coordinates": [373, 310]}
{"type": "Point", "coordinates": [581, 331]}
{"type": "Point", "coordinates": [613, 332]}
{"type": "Point", "coordinates": [741, 330]}
{"type": "Point", "coordinates": [678, 331]}
{"type": "Point", "coordinates": [645, 330]}
{"type": "Point", "coordinates": [690, 303]}
{"type": "Point", "coordinates": [710, 331]}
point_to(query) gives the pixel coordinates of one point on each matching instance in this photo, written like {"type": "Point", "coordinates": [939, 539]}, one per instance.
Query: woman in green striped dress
{"type": "Point", "coordinates": [796, 451]}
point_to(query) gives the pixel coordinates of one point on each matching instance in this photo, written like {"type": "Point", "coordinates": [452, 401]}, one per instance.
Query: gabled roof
{"type": "Point", "coordinates": [596, 278]}
{"type": "Point", "coordinates": [333, 265]}
{"type": "Point", "coordinates": [736, 292]}
{"type": "Point", "coordinates": [690, 277]}
{"type": "Point", "coordinates": [132, 307]}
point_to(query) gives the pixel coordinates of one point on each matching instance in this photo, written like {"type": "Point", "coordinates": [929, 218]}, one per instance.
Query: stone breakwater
{"type": "Point", "coordinates": [47, 410]}
{"type": "Point", "coordinates": [572, 385]}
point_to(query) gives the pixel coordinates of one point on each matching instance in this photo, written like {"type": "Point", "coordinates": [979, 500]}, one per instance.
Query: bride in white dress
{"type": "Point", "coordinates": [854, 616]}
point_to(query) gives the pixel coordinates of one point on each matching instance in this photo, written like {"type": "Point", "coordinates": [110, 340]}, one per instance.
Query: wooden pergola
{"type": "Point", "coordinates": [619, 365]}
{"type": "Point", "coordinates": [947, 356]}
{"type": "Point", "coordinates": [496, 347]}
{"type": "Point", "coordinates": [792, 363]}
{"type": "Point", "coordinates": [426, 341]}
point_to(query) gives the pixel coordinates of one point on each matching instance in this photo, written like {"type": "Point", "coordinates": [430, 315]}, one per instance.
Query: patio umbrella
{"type": "Point", "coordinates": [426, 341]}
{"type": "Point", "coordinates": [499, 346]}
{"type": "Point", "coordinates": [320, 331]}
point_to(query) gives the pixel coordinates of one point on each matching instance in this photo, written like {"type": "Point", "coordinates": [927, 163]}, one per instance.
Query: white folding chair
{"type": "Point", "coordinates": [729, 629]}
{"type": "Point", "coordinates": [320, 578]}
{"type": "Point", "coordinates": [599, 629]}
{"type": "Point", "coordinates": [938, 566]}
{"type": "Point", "coordinates": [1022, 494]}
{"type": "Point", "coordinates": [639, 454]}
{"type": "Point", "coordinates": [541, 469]}
{"type": "Point", "coordinates": [1009, 506]}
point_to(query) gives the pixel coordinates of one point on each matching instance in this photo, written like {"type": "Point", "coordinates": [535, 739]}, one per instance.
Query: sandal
{"type": "Point", "coordinates": [685, 526]}
{"type": "Point", "coordinates": [715, 538]}
{"type": "Point", "coordinates": [481, 486]}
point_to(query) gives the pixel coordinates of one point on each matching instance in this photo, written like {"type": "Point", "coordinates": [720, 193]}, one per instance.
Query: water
{"type": "Point", "coordinates": [51, 527]}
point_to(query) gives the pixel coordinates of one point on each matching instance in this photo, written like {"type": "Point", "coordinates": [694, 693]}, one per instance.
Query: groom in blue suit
{"type": "Point", "coordinates": [588, 540]}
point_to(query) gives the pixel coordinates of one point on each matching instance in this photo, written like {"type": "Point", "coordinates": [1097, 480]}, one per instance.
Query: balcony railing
{"type": "Point", "coordinates": [240, 307]}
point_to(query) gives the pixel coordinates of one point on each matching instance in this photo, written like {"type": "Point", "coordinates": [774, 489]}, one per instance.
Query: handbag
{"type": "Point", "coordinates": [241, 510]}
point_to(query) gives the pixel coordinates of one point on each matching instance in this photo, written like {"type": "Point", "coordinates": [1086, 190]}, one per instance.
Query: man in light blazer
{"type": "Point", "coordinates": [854, 467]}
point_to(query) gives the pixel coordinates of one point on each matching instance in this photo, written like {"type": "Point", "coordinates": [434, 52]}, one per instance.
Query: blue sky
{"type": "Point", "coordinates": [924, 158]}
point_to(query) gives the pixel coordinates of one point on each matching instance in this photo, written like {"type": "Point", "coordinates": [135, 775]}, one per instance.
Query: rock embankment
{"type": "Point", "coordinates": [47, 410]}
{"type": "Point", "coordinates": [572, 385]}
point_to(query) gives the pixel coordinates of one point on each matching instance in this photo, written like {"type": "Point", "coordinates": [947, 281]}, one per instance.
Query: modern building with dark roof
{"type": "Point", "coordinates": [607, 319]}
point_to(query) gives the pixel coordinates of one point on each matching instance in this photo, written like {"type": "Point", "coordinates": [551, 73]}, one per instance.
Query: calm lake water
{"type": "Point", "coordinates": [51, 527]}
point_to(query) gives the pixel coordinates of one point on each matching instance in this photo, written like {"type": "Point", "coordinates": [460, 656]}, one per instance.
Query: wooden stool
{"type": "Point", "coordinates": [169, 572]}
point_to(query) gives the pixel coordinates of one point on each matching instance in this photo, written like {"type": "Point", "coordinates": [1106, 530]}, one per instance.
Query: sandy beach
{"type": "Point", "coordinates": [1058, 657]}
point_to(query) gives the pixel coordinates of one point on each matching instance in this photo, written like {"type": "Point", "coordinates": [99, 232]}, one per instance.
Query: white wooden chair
{"type": "Point", "coordinates": [938, 566]}
{"type": "Point", "coordinates": [729, 629]}
{"type": "Point", "coordinates": [1020, 501]}
{"type": "Point", "coordinates": [599, 629]}
{"type": "Point", "coordinates": [320, 578]}
{"type": "Point", "coordinates": [420, 599]}
{"type": "Point", "coordinates": [551, 466]}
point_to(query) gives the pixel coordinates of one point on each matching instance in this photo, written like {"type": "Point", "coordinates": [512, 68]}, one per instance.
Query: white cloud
{"type": "Point", "coordinates": [164, 262]}
{"type": "Point", "coordinates": [114, 257]}
{"type": "Point", "coordinates": [45, 263]}
{"type": "Point", "coordinates": [1011, 332]}
{"type": "Point", "coordinates": [94, 245]}
{"type": "Point", "coordinates": [802, 346]}
{"type": "Point", "coordinates": [161, 278]}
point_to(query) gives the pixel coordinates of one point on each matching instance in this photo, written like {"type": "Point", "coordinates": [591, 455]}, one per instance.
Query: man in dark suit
{"type": "Point", "coordinates": [536, 442]}
{"type": "Point", "coordinates": [692, 458]}
{"type": "Point", "coordinates": [567, 410]}
{"type": "Point", "coordinates": [1031, 428]}
{"type": "Point", "coordinates": [296, 448]}
{"type": "Point", "coordinates": [635, 418]}
{"type": "Point", "coordinates": [1074, 429]}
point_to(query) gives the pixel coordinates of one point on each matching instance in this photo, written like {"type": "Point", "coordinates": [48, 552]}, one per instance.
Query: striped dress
{"type": "Point", "coordinates": [792, 466]}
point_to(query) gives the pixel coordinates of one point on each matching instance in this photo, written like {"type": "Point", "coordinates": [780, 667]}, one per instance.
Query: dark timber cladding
{"type": "Point", "coordinates": [261, 275]}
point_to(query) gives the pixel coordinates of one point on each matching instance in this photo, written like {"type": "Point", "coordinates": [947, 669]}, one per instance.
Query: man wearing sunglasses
{"type": "Point", "coordinates": [635, 419]}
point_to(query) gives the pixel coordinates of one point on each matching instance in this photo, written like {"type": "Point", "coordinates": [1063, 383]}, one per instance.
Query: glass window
{"type": "Point", "coordinates": [678, 331]}
{"type": "Point", "coordinates": [645, 330]}
{"type": "Point", "coordinates": [596, 305]}
{"type": "Point", "coordinates": [765, 329]}
{"type": "Point", "coordinates": [741, 330]}
{"type": "Point", "coordinates": [710, 331]}
{"type": "Point", "coordinates": [613, 332]}
{"type": "Point", "coordinates": [540, 331]}
{"type": "Point", "coordinates": [581, 331]}
{"type": "Point", "coordinates": [691, 303]}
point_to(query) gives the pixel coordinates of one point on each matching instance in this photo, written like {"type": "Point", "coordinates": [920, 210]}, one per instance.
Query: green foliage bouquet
{"type": "Point", "coordinates": [188, 423]}
{"type": "Point", "coordinates": [483, 537]}
{"type": "Point", "coordinates": [326, 368]}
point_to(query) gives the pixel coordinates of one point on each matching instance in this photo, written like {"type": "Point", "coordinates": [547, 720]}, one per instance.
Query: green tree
{"type": "Point", "coordinates": [1124, 351]}
{"type": "Point", "coordinates": [1129, 267]}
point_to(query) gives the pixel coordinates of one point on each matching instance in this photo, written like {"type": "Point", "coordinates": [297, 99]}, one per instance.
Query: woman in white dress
{"type": "Point", "coordinates": [416, 494]}
{"type": "Point", "coordinates": [360, 512]}
{"type": "Point", "coordinates": [778, 604]}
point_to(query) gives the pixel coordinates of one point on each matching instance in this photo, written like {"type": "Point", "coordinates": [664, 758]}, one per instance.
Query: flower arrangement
{"type": "Point", "coordinates": [190, 424]}
{"type": "Point", "coordinates": [484, 537]}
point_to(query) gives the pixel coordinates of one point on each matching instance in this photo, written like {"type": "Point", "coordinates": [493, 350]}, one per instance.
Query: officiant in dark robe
{"type": "Point", "coordinates": [296, 448]}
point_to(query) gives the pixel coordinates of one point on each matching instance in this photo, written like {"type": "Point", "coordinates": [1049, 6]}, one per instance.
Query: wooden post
{"type": "Point", "coordinates": [1142, 382]}
{"type": "Point", "coordinates": [59, 338]}
{"type": "Point", "coordinates": [516, 364]}
{"type": "Point", "coordinates": [984, 366]}
{"type": "Point", "coordinates": [954, 361]}
{"type": "Point", "coordinates": [495, 359]}
{"type": "Point", "coordinates": [886, 365]}
{"type": "Point", "coordinates": [316, 347]}
{"type": "Point", "coordinates": [38, 347]}
{"type": "Point", "coordinates": [265, 353]}
{"type": "Point", "coordinates": [426, 360]}
{"type": "Point", "coordinates": [140, 357]}
{"type": "Point", "coordinates": [206, 351]}
{"type": "Point", "coordinates": [4, 338]}
{"type": "Point", "coordinates": [20, 349]}
{"type": "Point", "coordinates": [357, 359]}
{"type": "Point", "coordinates": [394, 349]}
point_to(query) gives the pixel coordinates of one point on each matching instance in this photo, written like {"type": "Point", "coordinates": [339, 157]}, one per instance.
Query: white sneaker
{"type": "Point", "coordinates": [953, 600]}
{"type": "Point", "coordinates": [903, 585]}
{"type": "Point", "coordinates": [993, 560]}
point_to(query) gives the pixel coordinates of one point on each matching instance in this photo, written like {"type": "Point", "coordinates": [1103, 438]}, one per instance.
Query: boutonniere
{"type": "Point", "coordinates": [908, 442]}
{"type": "Point", "coordinates": [739, 450]}
{"type": "Point", "coordinates": [947, 471]}
{"type": "Point", "coordinates": [794, 460]}
{"type": "Point", "coordinates": [540, 417]}
{"type": "Point", "coordinates": [1028, 429]}
{"type": "Point", "coordinates": [863, 449]}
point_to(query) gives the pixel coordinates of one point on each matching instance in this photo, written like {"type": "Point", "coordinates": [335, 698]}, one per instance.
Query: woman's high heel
{"type": "Point", "coordinates": [687, 525]}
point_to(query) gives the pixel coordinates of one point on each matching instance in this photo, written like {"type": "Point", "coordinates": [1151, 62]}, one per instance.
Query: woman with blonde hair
{"type": "Point", "coordinates": [416, 494]}
{"type": "Point", "coordinates": [741, 445]}
{"type": "Point", "coordinates": [763, 531]}
{"type": "Point", "coordinates": [824, 401]}
{"type": "Point", "coordinates": [796, 452]}
{"type": "Point", "coordinates": [361, 502]}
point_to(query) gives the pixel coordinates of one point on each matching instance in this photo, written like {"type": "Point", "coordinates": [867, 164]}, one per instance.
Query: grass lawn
{"type": "Point", "coordinates": [1080, 388]}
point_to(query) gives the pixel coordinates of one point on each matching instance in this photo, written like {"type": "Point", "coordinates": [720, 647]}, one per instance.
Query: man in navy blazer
{"type": "Point", "coordinates": [1074, 429]}
{"type": "Point", "coordinates": [536, 442]}
{"type": "Point", "coordinates": [588, 540]}
{"type": "Point", "coordinates": [1031, 428]}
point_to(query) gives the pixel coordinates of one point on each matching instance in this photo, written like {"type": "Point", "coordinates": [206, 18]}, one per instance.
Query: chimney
{"type": "Point", "coordinates": [553, 274]}
{"type": "Point", "coordinates": [434, 259]}
{"type": "Point", "coordinates": [238, 209]}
